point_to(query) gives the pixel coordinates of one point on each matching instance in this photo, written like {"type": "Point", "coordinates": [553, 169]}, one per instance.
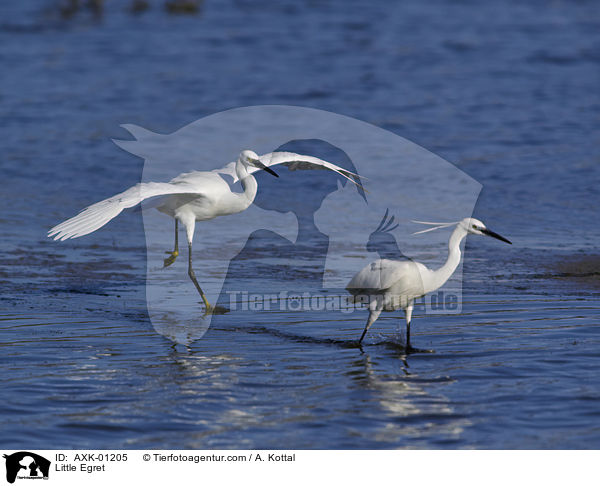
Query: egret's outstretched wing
{"type": "Point", "coordinates": [304, 162]}
{"type": "Point", "coordinates": [97, 215]}
{"type": "Point", "coordinates": [294, 162]}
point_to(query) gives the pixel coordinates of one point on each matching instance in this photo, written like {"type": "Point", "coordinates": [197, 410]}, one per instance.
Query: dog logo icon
{"type": "Point", "coordinates": [25, 464]}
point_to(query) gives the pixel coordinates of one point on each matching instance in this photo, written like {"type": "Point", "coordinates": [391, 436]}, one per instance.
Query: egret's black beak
{"type": "Point", "coordinates": [262, 166]}
{"type": "Point", "coordinates": [495, 235]}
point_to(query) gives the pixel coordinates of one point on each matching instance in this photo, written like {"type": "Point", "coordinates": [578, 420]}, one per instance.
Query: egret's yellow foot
{"type": "Point", "coordinates": [171, 259]}
{"type": "Point", "coordinates": [215, 309]}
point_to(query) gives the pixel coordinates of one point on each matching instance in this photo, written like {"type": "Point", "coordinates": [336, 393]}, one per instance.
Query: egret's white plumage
{"type": "Point", "coordinates": [387, 285]}
{"type": "Point", "coordinates": [193, 196]}
{"type": "Point", "coordinates": [293, 162]}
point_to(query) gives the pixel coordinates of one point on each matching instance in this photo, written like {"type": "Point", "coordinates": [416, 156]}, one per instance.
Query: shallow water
{"type": "Point", "coordinates": [508, 94]}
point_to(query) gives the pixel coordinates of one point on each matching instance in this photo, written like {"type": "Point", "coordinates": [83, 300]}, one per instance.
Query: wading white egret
{"type": "Point", "coordinates": [387, 285]}
{"type": "Point", "coordinates": [194, 196]}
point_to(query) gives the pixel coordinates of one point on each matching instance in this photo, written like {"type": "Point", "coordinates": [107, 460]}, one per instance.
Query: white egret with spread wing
{"type": "Point", "coordinates": [387, 285]}
{"type": "Point", "coordinates": [194, 196]}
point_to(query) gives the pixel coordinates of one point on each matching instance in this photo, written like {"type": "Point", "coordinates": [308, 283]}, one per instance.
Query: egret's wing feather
{"type": "Point", "coordinates": [306, 162]}
{"type": "Point", "coordinates": [97, 215]}
{"type": "Point", "coordinates": [383, 274]}
{"type": "Point", "coordinates": [293, 162]}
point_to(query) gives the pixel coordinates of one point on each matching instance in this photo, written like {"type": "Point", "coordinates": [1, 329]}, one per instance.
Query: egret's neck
{"type": "Point", "coordinates": [248, 183]}
{"type": "Point", "coordinates": [442, 274]}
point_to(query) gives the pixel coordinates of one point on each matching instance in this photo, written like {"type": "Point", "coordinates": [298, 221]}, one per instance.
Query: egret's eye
{"type": "Point", "coordinates": [474, 227]}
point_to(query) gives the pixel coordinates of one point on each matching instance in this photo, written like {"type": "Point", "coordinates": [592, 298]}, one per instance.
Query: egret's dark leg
{"type": "Point", "coordinates": [374, 312]}
{"type": "Point", "coordinates": [175, 253]}
{"type": "Point", "coordinates": [189, 222]}
{"type": "Point", "coordinates": [208, 309]}
{"type": "Point", "coordinates": [363, 334]}
{"type": "Point", "coordinates": [193, 278]}
{"type": "Point", "coordinates": [408, 312]}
